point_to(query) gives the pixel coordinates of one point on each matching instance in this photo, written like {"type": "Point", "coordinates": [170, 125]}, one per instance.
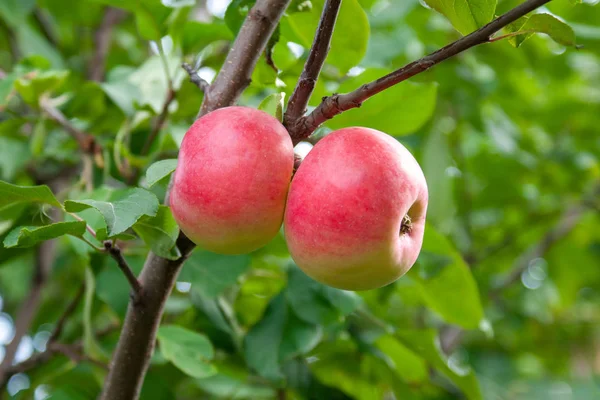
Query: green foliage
{"type": "Point", "coordinates": [27, 236]}
{"type": "Point", "coordinates": [187, 350]}
{"type": "Point", "coordinates": [125, 208]}
{"type": "Point", "coordinates": [507, 138]}
{"type": "Point", "coordinates": [160, 170]}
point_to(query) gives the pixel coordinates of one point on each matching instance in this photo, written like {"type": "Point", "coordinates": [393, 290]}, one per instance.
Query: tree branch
{"type": "Point", "coordinates": [86, 142]}
{"type": "Point", "coordinates": [138, 336]}
{"type": "Point", "coordinates": [159, 123]}
{"type": "Point", "coordinates": [338, 103]}
{"type": "Point", "coordinates": [68, 311]}
{"type": "Point", "coordinates": [195, 78]}
{"type": "Point", "coordinates": [316, 58]}
{"type": "Point", "coordinates": [115, 252]}
{"type": "Point", "coordinates": [102, 39]}
{"type": "Point", "coordinates": [249, 44]}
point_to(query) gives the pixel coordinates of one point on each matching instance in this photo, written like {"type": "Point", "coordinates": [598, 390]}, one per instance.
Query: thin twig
{"type": "Point", "coordinates": [102, 40]}
{"type": "Point", "coordinates": [159, 123]}
{"type": "Point", "coordinates": [338, 103]}
{"type": "Point", "coordinates": [195, 78]}
{"type": "Point", "coordinates": [68, 311]}
{"type": "Point", "coordinates": [86, 142]}
{"type": "Point", "coordinates": [316, 58]}
{"type": "Point", "coordinates": [115, 252]}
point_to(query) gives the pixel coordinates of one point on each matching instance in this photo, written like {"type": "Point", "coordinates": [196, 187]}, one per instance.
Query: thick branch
{"type": "Point", "coordinates": [115, 252]}
{"type": "Point", "coordinates": [138, 336]}
{"type": "Point", "coordinates": [195, 78]}
{"type": "Point", "coordinates": [102, 40]}
{"type": "Point", "coordinates": [316, 58]}
{"type": "Point", "coordinates": [338, 103]}
{"type": "Point", "coordinates": [251, 40]}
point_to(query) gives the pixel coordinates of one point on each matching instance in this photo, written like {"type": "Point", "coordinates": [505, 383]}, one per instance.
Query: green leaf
{"type": "Point", "coordinates": [547, 24]}
{"type": "Point", "coordinates": [147, 26]}
{"type": "Point", "coordinates": [38, 138]}
{"type": "Point", "coordinates": [236, 14]}
{"type": "Point", "coordinates": [13, 194]}
{"type": "Point", "coordinates": [15, 12]}
{"type": "Point", "coordinates": [211, 273]}
{"type": "Point", "coordinates": [31, 88]}
{"type": "Point", "coordinates": [90, 344]}
{"type": "Point", "coordinates": [27, 236]}
{"type": "Point", "coordinates": [273, 105]}
{"type": "Point", "coordinates": [123, 211]}
{"type": "Point", "coordinates": [465, 15]}
{"type": "Point", "coordinates": [160, 233]}
{"type": "Point", "coordinates": [160, 170]}
{"type": "Point", "coordinates": [399, 110]}
{"type": "Point", "coordinates": [350, 37]}
{"type": "Point", "coordinates": [410, 367]}
{"type": "Point", "coordinates": [277, 337]}
{"type": "Point", "coordinates": [317, 303]}
{"type": "Point", "coordinates": [426, 344]}
{"type": "Point", "coordinates": [452, 276]}
{"type": "Point", "coordinates": [14, 154]}
{"type": "Point", "coordinates": [228, 387]}
{"type": "Point", "coordinates": [189, 351]}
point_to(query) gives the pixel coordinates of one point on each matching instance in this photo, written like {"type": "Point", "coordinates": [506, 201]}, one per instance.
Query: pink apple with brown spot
{"type": "Point", "coordinates": [355, 213]}
{"type": "Point", "coordinates": [232, 178]}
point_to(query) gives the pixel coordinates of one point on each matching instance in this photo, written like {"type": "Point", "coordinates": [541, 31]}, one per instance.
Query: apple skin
{"type": "Point", "coordinates": [232, 179]}
{"type": "Point", "coordinates": [345, 210]}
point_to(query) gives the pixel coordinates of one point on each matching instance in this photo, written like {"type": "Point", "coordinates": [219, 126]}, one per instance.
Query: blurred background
{"type": "Point", "coordinates": [504, 301]}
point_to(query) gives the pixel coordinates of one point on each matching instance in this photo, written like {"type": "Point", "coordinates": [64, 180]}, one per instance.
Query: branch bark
{"type": "Point", "coordinates": [195, 78]}
{"type": "Point", "coordinates": [312, 68]}
{"type": "Point", "coordinates": [338, 103]}
{"type": "Point", "coordinates": [138, 336]}
{"type": "Point", "coordinates": [251, 41]}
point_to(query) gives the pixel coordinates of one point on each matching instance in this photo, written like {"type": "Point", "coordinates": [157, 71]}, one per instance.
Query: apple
{"type": "Point", "coordinates": [232, 179]}
{"type": "Point", "coordinates": [355, 213]}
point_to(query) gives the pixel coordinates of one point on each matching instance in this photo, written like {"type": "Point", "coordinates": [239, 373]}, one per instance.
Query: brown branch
{"type": "Point", "coordinates": [159, 123]}
{"type": "Point", "coordinates": [102, 40]}
{"type": "Point", "coordinates": [251, 41]}
{"type": "Point", "coordinates": [68, 311]}
{"type": "Point", "coordinates": [195, 78]}
{"type": "Point", "coordinates": [115, 253]}
{"type": "Point", "coordinates": [338, 103]}
{"type": "Point", "coordinates": [138, 336]}
{"type": "Point", "coordinates": [316, 58]}
{"type": "Point", "coordinates": [86, 142]}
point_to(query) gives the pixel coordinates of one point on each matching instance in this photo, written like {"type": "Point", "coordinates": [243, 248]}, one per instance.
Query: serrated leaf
{"type": "Point", "coordinates": [397, 111]}
{"type": "Point", "coordinates": [273, 105]}
{"type": "Point", "coordinates": [126, 208]}
{"type": "Point", "coordinates": [27, 236]}
{"type": "Point", "coordinates": [211, 273]}
{"type": "Point", "coordinates": [160, 170]}
{"type": "Point", "coordinates": [189, 351]}
{"type": "Point", "coordinates": [13, 194]}
{"type": "Point", "coordinates": [547, 24]}
{"type": "Point", "coordinates": [465, 15]}
{"type": "Point", "coordinates": [160, 233]}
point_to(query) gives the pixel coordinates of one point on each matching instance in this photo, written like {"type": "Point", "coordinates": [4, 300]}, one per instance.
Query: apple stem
{"type": "Point", "coordinates": [406, 226]}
